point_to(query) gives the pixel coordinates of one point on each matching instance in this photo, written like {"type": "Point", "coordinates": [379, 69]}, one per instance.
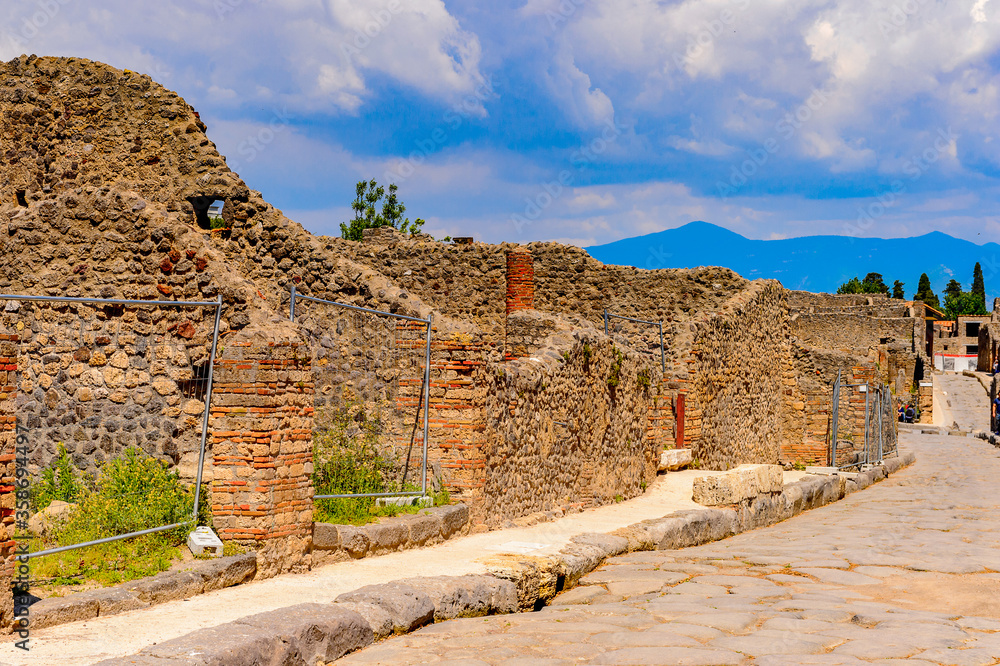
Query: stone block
{"type": "Point", "coordinates": [423, 528]}
{"type": "Point", "coordinates": [454, 518]}
{"type": "Point", "coordinates": [302, 634]}
{"type": "Point", "coordinates": [227, 571]}
{"type": "Point", "coordinates": [387, 536]}
{"type": "Point", "coordinates": [409, 608]}
{"type": "Point", "coordinates": [60, 610]}
{"type": "Point", "coordinates": [609, 544]}
{"type": "Point", "coordinates": [466, 596]}
{"type": "Point", "coordinates": [737, 485]}
{"type": "Point", "coordinates": [353, 540]}
{"type": "Point", "coordinates": [674, 459]}
{"type": "Point", "coordinates": [377, 617]}
{"type": "Point", "coordinates": [167, 586]}
{"type": "Point", "coordinates": [325, 536]}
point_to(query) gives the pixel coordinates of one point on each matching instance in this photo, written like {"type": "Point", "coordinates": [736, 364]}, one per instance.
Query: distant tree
{"type": "Point", "coordinates": [873, 284]}
{"type": "Point", "coordinates": [367, 215]}
{"type": "Point", "coordinates": [925, 294]}
{"type": "Point", "coordinates": [963, 303]}
{"type": "Point", "coordinates": [852, 286]}
{"type": "Point", "coordinates": [897, 290]}
{"type": "Point", "coordinates": [978, 286]}
{"type": "Point", "coordinates": [953, 288]}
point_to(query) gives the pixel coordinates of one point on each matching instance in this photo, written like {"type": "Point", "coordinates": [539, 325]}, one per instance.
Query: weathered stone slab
{"type": "Point", "coordinates": [325, 536]}
{"type": "Point", "coordinates": [167, 586]}
{"type": "Point", "coordinates": [387, 536]}
{"type": "Point", "coordinates": [454, 518]}
{"type": "Point", "coordinates": [60, 610]}
{"type": "Point", "coordinates": [227, 571]}
{"type": "Point", "coordinates": [737, 485]}
{"type": "Point", "coordinates": [674, 459]}
{"type": "Point", "coordinates": [466, 596]}
{"type": "Point", "coordinates": [611, 545]}
{"type": "Point", "coordinates": [424, 528]}
{"type": "Point", "coordinates": [408, 607]}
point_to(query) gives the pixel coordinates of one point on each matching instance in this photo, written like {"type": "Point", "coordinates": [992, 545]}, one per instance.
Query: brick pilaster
{"type": "Point", "coordinates": [261, 438]}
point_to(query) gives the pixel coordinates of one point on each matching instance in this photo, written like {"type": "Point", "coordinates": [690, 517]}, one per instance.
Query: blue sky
{"type": "Point", "coordinates": [583, 121]}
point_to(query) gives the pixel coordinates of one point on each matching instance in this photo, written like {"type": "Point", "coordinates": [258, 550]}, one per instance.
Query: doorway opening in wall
{"type": "Point", "coordinates": [22, 201]}
{"type": "Point", "coordinates": [972, 329]}
{"type": "Point", "coordinates": [971, 350]}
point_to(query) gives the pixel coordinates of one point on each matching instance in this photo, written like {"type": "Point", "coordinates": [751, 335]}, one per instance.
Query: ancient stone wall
{"type": "Point", "coordinates": [740, 363]}
{"type": "Point", "coordinates": [851, 333]}
{"type": "Point", "coordinates": [568, 431]}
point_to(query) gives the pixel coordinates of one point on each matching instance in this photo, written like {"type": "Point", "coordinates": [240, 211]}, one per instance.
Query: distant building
{"type": "Point", "coordinates": [956, 345]}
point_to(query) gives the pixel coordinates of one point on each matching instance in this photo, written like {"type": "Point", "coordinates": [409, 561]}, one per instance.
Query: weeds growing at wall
{"type": "Point", "coordinates": [350, 457]}
{"type": "Point", "coordinates": [131, 493]}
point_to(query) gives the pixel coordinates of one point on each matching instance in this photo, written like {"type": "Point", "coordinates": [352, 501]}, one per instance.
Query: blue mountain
{"type": "Point", "coordinates": [812, 263]}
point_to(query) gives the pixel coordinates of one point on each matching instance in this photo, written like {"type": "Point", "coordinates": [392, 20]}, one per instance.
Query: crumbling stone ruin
{"type": "Point", "coordinates": [105, 183]}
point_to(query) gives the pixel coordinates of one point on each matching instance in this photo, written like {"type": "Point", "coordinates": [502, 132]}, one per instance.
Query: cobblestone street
{"type": "Point", "coordinates": [904, 572]}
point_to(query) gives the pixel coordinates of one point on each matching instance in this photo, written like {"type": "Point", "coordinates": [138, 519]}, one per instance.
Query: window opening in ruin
{"type": "Point", "coordinates": [208, 211]}
{"type": "Point", "coordinates": [21, 200]}
{"type": "Point", "coordinates": [971, 350]}
{"type": "Point", "coordinates": [972, 329]}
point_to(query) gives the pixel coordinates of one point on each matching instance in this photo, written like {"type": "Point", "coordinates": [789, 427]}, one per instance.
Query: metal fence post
{"type": "Point", "coordinates": [605, 321]}
{"type": "Point", "coordinates": [291, 304]}
{"type": "Point", "coordinates": [867, 421]}
{"type": "Point", "coordinates": [427, 397]}
{"type": "Point", "coordinates": [663, 355]}
{"type": "Point", "coordinates": [208, 407]}
{"type": "Point", "coordinates": [834, 426]}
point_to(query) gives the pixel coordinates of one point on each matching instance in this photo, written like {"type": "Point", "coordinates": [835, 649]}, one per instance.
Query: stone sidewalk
{"type": "Point", "coordinates": [905, 572]}
{"type": "Point", "coordinates": [961, 399]}
{"type": "Point", "coordinates": [89, 641]}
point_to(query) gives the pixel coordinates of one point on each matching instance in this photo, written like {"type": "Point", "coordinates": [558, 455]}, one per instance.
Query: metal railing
{"type": "Point", "coordinates": [383, 360]}
{"type": "Point", "coordinates": [78, 329]}
{"type": "Point", "coordinates": [659, 324]}
{"type": "Point", "coordinates": [877, 423]}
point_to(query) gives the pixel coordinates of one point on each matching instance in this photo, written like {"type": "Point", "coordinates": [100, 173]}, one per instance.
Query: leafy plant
{"type": "Point", "coordinates": [367, 216]}
{"type": "Point", "coordinates": [133, 492]}
{"type": "Point", "coordinates": [217, 222]}
{"type": "Point", "coordinates": [61, 480]}
{"type": "Point", "coordinates": [615, 374]}
{"type": "Point", "coordinates": [642, 378]}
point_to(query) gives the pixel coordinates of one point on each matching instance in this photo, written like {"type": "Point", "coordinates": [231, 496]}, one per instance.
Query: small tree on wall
{"type": "Point", "coordinates": [367, 215]}
{"type": "Point", "coordinates": [897, 290]}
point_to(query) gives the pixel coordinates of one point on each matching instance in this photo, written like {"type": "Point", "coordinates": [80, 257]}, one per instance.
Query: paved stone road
{"type": "Point", "coordinates": [904, 572]}
{"type": "Point", "coordinates": [962, 401]}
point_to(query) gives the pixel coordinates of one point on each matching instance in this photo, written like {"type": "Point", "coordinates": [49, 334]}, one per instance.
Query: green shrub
{"type": "Point", "coordinates": [61, 480]}
{"type": "Point", "coordinates": [133, 492]}
{"type": "Point", "coordinates": [348, 459]}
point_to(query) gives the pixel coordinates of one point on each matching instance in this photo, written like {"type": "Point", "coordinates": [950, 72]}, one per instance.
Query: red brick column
{"type": "Point", "coordinates": [520, 296]}
{"type": "Point", "coordinates": [261, 438]}
{"type": "Point", "coordinates": [520, 280]}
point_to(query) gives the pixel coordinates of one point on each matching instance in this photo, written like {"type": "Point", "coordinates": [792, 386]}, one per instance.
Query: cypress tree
{"type": "Point", "coordinates": [978, 286]}
{"type": "Point", "coordinates": [925, 294]}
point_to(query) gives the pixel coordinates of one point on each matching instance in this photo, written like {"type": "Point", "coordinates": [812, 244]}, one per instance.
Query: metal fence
{"type": "Point", "coordinates": [637, 337]}
{"type": "Point", "coordinates": [372, 378]}
{"type": "Point", "coordinates": [862, 424]}
{"type": "Point", "coordinates": [97, 377]}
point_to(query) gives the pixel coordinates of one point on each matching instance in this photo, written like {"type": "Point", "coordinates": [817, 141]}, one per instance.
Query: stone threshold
{"type": "Point", "coordinates": [305, 634]}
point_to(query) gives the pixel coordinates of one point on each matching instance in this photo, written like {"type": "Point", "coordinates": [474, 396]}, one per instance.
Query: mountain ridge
{"type": "Point", "coordinates": [819, 263]}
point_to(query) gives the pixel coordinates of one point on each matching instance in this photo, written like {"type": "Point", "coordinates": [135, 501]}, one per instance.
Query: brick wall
{"type": "Point", "coordinates": [261, 447]}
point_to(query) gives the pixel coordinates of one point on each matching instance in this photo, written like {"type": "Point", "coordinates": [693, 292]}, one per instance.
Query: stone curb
{"type": "Point", "coordinates": [205, 576]}
{"type": "Point", "coordinates": [303, 634]}
{"type": "Point", "coordinates": [338, 543]}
